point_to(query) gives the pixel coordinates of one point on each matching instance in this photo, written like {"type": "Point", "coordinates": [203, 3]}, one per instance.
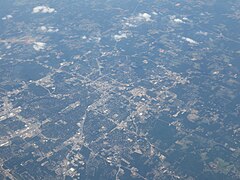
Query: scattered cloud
{"type": "Point", "coordinates": [179, 20]}
{"type": "Point", "coordinates": [134, 21]}
{"type": "Point", "coordinates": [48, 29]}
{"type": "Point", "coordinates": [119, 37]}
{"type": "Point", "coordinates": [43, 9]}
{"type": "Point", "coordinates": [144, 16]}
{"type": "Point", "coordinates": [39, 46]}
{"type": "Point", "coordinates": [7, 17]}
{"type": "Point", "coordinates": [189, 40]}
{"type": "Point", "coordinates": [202, 33]}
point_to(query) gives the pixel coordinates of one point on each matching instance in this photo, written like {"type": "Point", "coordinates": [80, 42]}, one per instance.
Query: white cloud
{"type": "Point", "coordinates": [185, 19]}
{"type": "Point", "coordinates": [43, 28]}
{"type": "Point", "coordinates": [39, 46]}
{"type": "Point", "coordinates": [119, 37]}
{"type": "Point", "coordinates": [48, 29]}
{"type": "Point", "coordinates": [144, 16]}
{"type": "Point", "coordinates": [43, 9]}
{"type": "Point", "coordinates": [178, 20]}
{"type": "Point", "coordinates": [7, 17]}
{"type": "Point", "coordinates": [154, 13]}
{"type": "Point", "coordinates": [189, 40]}
{"type": "Point", "coordinates": [134, 21]}
{"type": "Point", "coordinates": [202, 33]}
{"type": "Point", "coordinates": [84, 37]}
{"type": "Point", "coordinates": [129, 22]}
